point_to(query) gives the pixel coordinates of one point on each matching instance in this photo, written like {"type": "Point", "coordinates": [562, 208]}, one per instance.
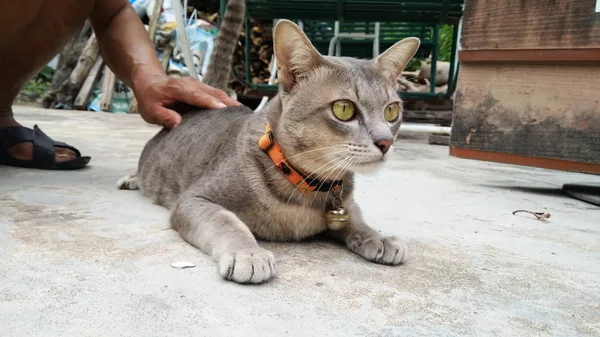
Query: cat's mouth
{"type": "Point", "coordinates": [369, 161]}
{"type": "Point", "coordinates": [332, 164]}
{"type": "Point", "coordinates": [364, 155]}
{"type": "Point", "coordinates": [369, 166]}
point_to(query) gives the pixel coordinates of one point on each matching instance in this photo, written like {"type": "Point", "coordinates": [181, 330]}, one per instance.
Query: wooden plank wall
{"type": "Point", "coordinates": [541, 106]}
{"type": "Point", "coordinates": [530, 24]}
{"type": "Point", "coordinates": [539, 110]}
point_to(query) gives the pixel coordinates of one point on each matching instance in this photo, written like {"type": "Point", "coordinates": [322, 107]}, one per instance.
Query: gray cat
{"type": "Point", "coordinates": [231, 176]}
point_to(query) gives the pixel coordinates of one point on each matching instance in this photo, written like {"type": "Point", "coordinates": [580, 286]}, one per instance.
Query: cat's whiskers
{"type": "Point", "coordinates": [396, 148]}
{"type": "Point", "coordinates": [403, 156]}
{"type": "Point", "coordinates": [333, 167]}
{"type": "Point", "coordinates": [302, 153]}
{"type": "Point", "coordinates": [307, 167]}
{"type": "Point", "coordinates": [342, 172]}
{"type": "Point", "coordinates": [341, 164]}
{"type": "Point", "coordinates": [312, 173]}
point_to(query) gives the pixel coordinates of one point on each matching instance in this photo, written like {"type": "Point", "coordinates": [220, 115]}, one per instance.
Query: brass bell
{"type": "Point", "coordinates": [337, 218]}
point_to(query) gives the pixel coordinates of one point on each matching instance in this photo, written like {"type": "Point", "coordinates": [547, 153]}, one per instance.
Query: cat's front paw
{"type": "Point", "coordinates": [384, 250]}
{"type": "Point", "coordinates": [253, 265]}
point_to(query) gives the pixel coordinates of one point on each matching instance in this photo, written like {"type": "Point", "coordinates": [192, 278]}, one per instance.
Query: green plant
{"type": "Point", "coordinates": [37, 86]}
{"type": "Point", "coordinates": [413, 65]}
{"type": "Point", "coordinates": [46, 74]}
{"type": "Point", "coordinates": [445, 43]}
{"type": "Point", "coordinates": [444, 48]}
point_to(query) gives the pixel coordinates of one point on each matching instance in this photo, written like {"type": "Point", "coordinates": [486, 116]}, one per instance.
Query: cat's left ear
{"type": "Point", "coordinates": [393, 61]}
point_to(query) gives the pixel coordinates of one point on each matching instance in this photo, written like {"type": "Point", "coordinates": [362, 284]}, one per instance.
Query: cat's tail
{"type": "Point", "coordinates": [219, 66]}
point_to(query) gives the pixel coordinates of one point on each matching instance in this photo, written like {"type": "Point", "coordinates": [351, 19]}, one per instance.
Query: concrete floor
{"type": "Point", "coordinates": [82, 258]}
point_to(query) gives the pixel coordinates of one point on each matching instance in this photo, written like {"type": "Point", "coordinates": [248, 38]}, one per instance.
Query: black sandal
{"type": "Point", "coordinates": [44, 156]}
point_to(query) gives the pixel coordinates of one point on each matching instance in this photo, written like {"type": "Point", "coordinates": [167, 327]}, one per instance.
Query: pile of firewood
{"type": "Point", "coordinates": [72, 68]}
{"type": "Point", "coordinates": [261, 51]}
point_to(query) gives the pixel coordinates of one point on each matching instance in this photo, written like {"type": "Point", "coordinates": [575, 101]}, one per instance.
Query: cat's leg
{"type": "Point", "coordinates": [128, 182]}
{"type": "Point", "coordinates": [368, 243]}
{"type": "Point", "coordinates": [221, 234]}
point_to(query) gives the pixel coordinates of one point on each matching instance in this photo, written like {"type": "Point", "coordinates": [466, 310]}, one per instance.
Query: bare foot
{"type": "Point", "coordinates": [24, 151]}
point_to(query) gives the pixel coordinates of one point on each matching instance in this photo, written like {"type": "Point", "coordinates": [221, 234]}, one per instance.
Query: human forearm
{"type": "Point", "coordinates": [125, 44]}
{"type": "Point", "coordinates": [128, 51]}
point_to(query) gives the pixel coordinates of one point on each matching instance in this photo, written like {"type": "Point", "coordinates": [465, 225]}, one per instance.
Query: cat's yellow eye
{"type": "Point", "coordinates": [343, 110]}
{"type": "Point", "coordinates": [392, 112]}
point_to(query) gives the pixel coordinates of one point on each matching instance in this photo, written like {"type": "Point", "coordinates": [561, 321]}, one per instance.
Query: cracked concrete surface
{"type": "Point", "coordinates": [82, 258]}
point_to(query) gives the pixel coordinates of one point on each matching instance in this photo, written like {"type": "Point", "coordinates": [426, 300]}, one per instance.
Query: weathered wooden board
{"type": "Point", "coordinates": [428, 116]}
{"type": "Point", "coordinates": [535, 110]}
{"type": "Point", "coordinates": [81, 101]}
{"type": "Point", "coordinates": [530, 24]}
{"type": "Point", "coordinates": [435, 139]}
{"type": "Point", "coordinates": [108, 87]}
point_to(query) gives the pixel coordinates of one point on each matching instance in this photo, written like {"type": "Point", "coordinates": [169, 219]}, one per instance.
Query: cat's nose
{"type": "Point", "coordinates": [384, 145]}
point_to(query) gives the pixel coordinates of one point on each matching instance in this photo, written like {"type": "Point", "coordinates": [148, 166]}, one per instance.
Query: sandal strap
{"type": "Point", "coordinates": [43, 146]}
{"type": "Point", "coordinates": [14, 135]}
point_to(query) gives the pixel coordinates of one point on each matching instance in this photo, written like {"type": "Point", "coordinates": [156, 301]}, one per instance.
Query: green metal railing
{"type": "Point", "coordinates": [398, 19]}
{"type": "Point", "coordinates": [418, 11]}
{"type": "Point", "coordinates": [320, 34]}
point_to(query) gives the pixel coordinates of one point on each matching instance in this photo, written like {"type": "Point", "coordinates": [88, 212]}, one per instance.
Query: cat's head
{"type": "Point", "coordinates": [337, 113]}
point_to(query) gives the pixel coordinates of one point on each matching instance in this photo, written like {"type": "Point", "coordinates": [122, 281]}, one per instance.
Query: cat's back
{"type": "Point", "coordinates": [209, 128]}
{"type": "Point", "coordinates": [174, 159]}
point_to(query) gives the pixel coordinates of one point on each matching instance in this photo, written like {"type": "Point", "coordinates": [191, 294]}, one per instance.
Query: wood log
{"type": "Point", "coordinates": [153, 24]}
{"type": "Point", "coordinates": [441, 88]}
{"type": "Point", "coordinates": [410, 86]}
{"type": "Point", "coordinates": [413, 87]}
{"type": "Point", "coordinates": [84, 64]}
{"type": "Point", "coordinates": [67, 60]}
{"type": "Point", "coordinates": [84, 94]}
{"type": "Point", "coordinates": [108, 87]}
{"type": "Point", "coordinates": [69, 56]}
{"type": "Point", "coordinates": [70, 87]}
{"type": "Point", "coordinates": [435, 139]}
{"type": "Point", "coordinates": [410, 74]}
{"type": "Point", "coordinates": [166, 56]}
{"type": "Point", "coordinates": [429, 115]}
{"type": "Point", "coordinates": [442, 71]}
{"type": "Point", "coordinates": [133, 106]}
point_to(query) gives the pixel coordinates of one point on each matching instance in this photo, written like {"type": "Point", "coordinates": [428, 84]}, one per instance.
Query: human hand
{"type": "Point", "coordinates": [157, 98]}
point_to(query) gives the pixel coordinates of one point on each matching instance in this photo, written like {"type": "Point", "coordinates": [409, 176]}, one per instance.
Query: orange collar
{"type": "Point", "coordinates": [269, 144]}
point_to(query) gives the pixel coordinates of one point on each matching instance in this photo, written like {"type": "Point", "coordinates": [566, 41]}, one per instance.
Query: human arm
{"type": "Point", "coordinates": [130, 54]}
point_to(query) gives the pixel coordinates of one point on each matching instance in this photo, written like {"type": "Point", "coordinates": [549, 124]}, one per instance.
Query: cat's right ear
{"type": "Point", "coordinates": [294, 53]}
